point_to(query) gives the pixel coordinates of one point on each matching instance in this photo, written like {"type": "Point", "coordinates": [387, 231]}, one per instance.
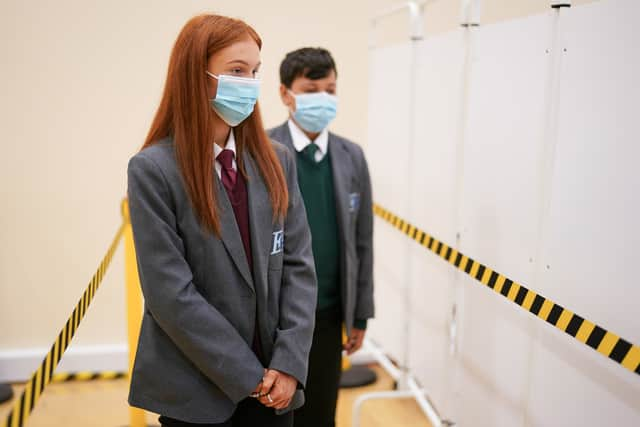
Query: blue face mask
{"type": "Point", "coordinates": [235, 98]}
{"type": "Point", "coordinates": [314, 111]}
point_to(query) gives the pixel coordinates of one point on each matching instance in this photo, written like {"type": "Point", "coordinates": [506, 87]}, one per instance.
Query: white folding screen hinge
{"type": "Point", "coordinates": [415, 21]}
{"type": "Point", "coordinates": [470, 13]}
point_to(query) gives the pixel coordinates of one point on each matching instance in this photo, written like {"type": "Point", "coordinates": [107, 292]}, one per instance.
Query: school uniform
{"type": "Point", "coordinates": [336, 189]}
{"type": "Point", "coordinates": [217, 310]}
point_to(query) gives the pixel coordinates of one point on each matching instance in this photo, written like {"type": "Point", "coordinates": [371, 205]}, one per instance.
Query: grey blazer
{"type": "Point", "coordinates": [194, 360]}
{"type": "Point", "coordinates": [352, 188]}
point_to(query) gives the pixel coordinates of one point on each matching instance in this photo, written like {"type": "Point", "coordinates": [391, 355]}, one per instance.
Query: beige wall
{"type": "Point", "coordinates": [80, 81]}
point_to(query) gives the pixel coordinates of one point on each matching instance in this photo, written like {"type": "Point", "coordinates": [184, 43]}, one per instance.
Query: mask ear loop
{"type": "Point", "coordinates": [212, 75]}
{"type": "Point", "coordinates": [295, 104]}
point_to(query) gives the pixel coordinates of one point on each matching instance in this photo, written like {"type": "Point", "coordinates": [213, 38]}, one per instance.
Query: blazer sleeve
{"type": "Point", "coordinates": [298, 292]}
{"type": "Point", "coordinates": [203, 334]}
{"type": "Point", "coordinates": [364, 244]}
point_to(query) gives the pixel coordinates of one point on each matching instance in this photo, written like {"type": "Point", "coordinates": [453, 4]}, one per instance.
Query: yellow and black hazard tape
{"type": "Point", "coordinates": [88, 376]}
{"type": "Point", "coordinates": [605, 342]}
{"type": "Point", "coordinates": [24, 405]}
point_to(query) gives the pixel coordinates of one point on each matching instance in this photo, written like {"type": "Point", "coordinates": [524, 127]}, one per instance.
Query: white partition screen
{"type": "Point", "coordinates": [523, 155]}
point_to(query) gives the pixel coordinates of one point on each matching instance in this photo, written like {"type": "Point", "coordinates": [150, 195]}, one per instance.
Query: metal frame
{"type": "Point", "coordinates": [413, 389]}
{"type": "Point", "coordinates": [408, 387]}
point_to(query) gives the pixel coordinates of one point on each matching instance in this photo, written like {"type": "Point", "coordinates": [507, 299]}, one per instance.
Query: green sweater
{"type": "Point", "coordinates": [316, 186]}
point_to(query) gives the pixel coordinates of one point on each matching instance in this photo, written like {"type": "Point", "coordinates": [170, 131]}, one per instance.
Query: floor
{"type": "Point", "coordinates": [103, 403]}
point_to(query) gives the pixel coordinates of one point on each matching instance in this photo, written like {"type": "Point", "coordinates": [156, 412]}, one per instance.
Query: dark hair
{"type": "Point", "coordinates": [311, 62]}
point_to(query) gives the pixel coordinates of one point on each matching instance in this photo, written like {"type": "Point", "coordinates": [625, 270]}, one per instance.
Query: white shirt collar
{"type": "Point", "coordinates": [231, 145]}
{"type": "Point", "coordinates": [301, 140]}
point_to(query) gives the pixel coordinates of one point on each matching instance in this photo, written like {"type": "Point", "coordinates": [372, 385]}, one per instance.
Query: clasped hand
{"type": "Point", "coordinates": [276, 389]}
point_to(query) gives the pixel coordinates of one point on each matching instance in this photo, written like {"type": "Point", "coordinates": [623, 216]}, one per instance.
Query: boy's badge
{"type": "Point", "coordinates": [354, 202]}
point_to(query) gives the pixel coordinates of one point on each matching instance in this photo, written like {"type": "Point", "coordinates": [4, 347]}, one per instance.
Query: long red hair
{"type": "Point", "coordinates": [185, 113]}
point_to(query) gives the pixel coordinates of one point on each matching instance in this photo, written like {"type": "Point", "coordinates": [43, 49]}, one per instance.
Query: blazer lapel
{"type": "Point", "coordinates": [341, 167]}
{"type": "Point", "coordinates": [230, 234]}
{"type": "Point", "coordinates": [260, 223]}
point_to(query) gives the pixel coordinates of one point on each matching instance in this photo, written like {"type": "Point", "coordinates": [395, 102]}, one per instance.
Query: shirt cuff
{"type": "Point", "coordinates": [360, 324]}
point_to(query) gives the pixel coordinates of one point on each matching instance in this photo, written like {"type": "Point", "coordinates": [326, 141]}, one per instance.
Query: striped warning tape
{"type": "Point", "coordinates": [596, 337]}
{"type": "Point", "coordinates": [88, 376]}
{"type": "Point", "coordinates": [24, 405]}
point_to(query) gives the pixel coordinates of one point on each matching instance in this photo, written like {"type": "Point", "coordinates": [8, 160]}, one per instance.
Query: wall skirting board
{"type": "Point", "coordinates": [17, 365]}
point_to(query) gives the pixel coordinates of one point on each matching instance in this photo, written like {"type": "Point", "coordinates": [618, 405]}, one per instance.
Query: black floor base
{"type": "Point", "coordinates": [357, 376]}
{"type": "Point", "coordinates": [6, 392]}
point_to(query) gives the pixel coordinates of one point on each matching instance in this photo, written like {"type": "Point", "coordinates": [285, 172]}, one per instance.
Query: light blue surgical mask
{"type": "Point", "coordinates": [235, 97]}
{"type": "Point", "coordinates": [314, 111]}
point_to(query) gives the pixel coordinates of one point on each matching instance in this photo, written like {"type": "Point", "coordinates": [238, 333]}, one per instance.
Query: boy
{"type": "Point", "coordinates": [335, 185]}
